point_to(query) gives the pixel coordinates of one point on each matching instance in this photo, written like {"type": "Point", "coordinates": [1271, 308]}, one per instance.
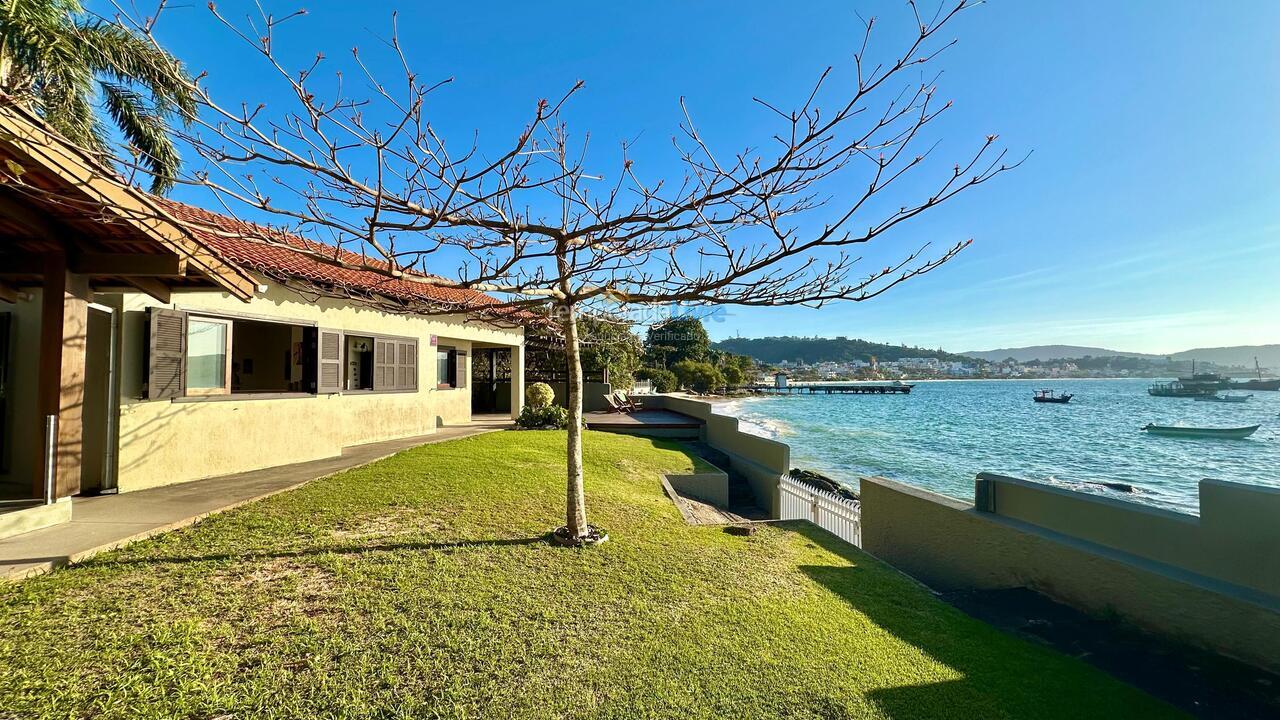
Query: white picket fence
{"type": "Point", "coordinates": [824, 509]}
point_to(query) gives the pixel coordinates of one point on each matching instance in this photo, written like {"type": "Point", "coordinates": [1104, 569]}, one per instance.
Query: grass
{"type": "Point", "coordinates": [419, 586]}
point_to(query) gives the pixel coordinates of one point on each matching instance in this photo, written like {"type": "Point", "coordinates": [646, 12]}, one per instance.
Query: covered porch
{"type": "Point", "coordinates": [70, 234]}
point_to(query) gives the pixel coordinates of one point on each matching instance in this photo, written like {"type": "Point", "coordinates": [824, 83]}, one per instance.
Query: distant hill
{"type": "Point", "coordinates": [815, 350]}
{"type": "Point", "coordinates": [1240, 355]}
{"type": "Point", "coordinates": [1243, 355]}
{"type": "Point", "coordinates": [1050, 352]}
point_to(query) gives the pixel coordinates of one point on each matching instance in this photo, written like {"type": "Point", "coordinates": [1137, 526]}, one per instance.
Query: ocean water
{"type": "Point", "coordinates": [945, 432]}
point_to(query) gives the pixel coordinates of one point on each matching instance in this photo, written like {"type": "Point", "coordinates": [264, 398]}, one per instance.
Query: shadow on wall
{"type": "Point", "coordinates": [1001, 676]}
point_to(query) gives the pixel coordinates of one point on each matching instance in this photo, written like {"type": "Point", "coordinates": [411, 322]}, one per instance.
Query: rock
{"type": "Point", "coordinates": [822, 482]}
{"type": "Point", "coordinates": [744, 530]}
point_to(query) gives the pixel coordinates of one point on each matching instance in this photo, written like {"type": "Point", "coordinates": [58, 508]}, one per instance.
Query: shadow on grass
{"type": "Point", "coordinates": [320, 550]}
{"type": "Point", "coordinates": [1000, 676]}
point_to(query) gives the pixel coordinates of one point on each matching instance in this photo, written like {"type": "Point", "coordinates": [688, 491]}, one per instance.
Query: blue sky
{"type": "Point", "coordinates": [1147, 217]}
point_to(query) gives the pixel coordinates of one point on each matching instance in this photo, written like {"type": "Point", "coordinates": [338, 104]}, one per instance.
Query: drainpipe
{"type": "Point", "coordinates": [50, 457]}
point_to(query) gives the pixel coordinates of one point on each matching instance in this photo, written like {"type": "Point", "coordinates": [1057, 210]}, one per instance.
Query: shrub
{"type": "Point", "coordinates": [699, 376]}
{"type": "Point", "coordinates": [663, 381]}
{"type": "Point", "coordinates": [539, 395]}
{"type": "Point", "coordinates": [547, 416]}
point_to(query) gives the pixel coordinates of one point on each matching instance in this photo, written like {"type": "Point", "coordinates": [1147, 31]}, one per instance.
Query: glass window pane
{"type": "Point", "coordinates": [442, 367]}
{"type": "Point", "coordinates": [206, 354]}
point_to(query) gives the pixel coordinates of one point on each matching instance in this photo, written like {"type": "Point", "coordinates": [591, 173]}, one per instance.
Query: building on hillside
{"type": "Point", "coordinates": [144, 342]}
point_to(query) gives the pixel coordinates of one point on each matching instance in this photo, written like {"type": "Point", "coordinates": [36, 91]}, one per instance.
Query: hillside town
{"type": "Point", "coordinates": [932, 368]}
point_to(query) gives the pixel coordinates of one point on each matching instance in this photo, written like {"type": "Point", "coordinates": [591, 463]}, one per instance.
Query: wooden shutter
{"type": "Point", "coordinates": [406, 364]}
{"type": "Point", "coordinates": [166, 354]}
{"type": "Point", "coordinates": [384, 364]}
{"type": "Point", "coordinates": [329, 361]}
{"type": "Point", "coordinates": [462, 366]}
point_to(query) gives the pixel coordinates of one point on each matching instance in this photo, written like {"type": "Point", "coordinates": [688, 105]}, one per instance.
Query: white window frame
{"type": "Point", "coordinates": [226, 370]}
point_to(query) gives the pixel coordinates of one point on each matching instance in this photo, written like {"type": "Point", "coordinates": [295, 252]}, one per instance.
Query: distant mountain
{"type": "Point", "coordinates": [817, 349]}
{"type": "Point", "coordinates": [1050, 352]}
{"type": "Point", "coordinates": [1243, 355]}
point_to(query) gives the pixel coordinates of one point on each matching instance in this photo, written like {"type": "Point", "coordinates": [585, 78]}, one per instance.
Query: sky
{"type": "Point", "coordinates": [1146, 217]}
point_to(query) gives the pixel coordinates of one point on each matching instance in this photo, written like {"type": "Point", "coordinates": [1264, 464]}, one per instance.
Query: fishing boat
{"type": "Point", "coordinates": [1223, 398]}
{"type": "Point", "coordinates": [1272, 384]}
{"type": "Point", "coordinates": [1238, 433]}
{"type": "Point", "coordinates": [1204, 380]}
{"type": "Point", "coordinates": [1178, 389]}
{"type": "Point", "coordinates": [1048, 396]}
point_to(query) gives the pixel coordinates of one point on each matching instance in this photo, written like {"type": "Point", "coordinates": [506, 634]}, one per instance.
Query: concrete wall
{"type": "Point", "coordinates": [760, 460]}
{"type": "Point", "coordinates": [709, 487]}
{"type": "Point", "coordinates": [1236, 537]}
{"type": "Point", "coordinates": [593, 395]}
{"type": "Point", "coordinates": [1090, 553]}
{"type": "Point", "coordinates": [163, 442]}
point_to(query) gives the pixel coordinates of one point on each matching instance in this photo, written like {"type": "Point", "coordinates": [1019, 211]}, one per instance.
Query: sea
{"type": "Point", "coordinates": [945, 432]}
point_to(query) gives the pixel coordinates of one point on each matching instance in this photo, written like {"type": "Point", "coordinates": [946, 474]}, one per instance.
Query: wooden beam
{"type": "Point", "coordinates": [128, 264]}
{"type": "Point", "coordinates": [64, 316]}
{"type": "Point", "coordinates": [154, 288]}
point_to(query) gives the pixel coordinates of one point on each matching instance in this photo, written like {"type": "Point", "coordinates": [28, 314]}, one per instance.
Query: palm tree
{"type": "Point", "coordinates": [69, 66]}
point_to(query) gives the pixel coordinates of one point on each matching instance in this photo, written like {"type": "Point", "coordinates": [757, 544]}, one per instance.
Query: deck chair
{"type": "Point", "coordinates": [626, 403]}
{"type": "Point", "coordinates": [613, 404]}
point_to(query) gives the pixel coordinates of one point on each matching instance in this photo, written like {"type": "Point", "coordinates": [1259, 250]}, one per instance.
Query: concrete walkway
{"type": "Point", "coordinates": [109, 521]}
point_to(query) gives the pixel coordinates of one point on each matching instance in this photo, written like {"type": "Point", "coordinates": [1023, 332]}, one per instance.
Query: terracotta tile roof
{"type": "Point", "coordinates": [280, 254]}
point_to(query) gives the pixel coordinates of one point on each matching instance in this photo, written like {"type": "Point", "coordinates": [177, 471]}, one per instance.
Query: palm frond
{"type": "Point", "coordinates": [126, 57]}
{"type": "Point", "coordinates": [146, 131]}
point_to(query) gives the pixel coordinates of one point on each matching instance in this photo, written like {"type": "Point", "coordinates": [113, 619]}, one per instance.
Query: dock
{"type": "Point", "coordinates": [833, 389]}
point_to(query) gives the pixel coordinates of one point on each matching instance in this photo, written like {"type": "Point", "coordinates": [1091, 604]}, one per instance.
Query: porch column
{"type": "Point", "coordinates": [64, 326]}
{"type": "Point", "coordinates": [517, 380]}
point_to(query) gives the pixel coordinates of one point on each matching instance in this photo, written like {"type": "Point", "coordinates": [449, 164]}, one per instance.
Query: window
{"type": "Point", "coordinates": [446, 367]}
{"type": "Point", "coordinates": [195, 355]}
{"type": "Point", "coordinates": [208, 356]}
{"type": "Point", "coordinates": [359, 363]}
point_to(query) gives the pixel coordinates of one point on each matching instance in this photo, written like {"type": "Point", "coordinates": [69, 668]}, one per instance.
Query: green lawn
{"type": "Point", "coordinates": [419, 586]}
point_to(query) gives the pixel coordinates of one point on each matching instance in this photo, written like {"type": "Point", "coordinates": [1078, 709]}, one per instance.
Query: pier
{"type": "Point", "coordinates": [832, 389]}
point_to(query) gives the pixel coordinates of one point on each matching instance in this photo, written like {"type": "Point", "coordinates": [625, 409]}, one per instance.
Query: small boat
{"type": "Point", "coordinates": [1238, 433]}
{"type": "Point", "coordinates": [1048, 396]}
{"type": "Point", "coordinates": [1178, 389]}
{"type": "Point", "coordinates": [1223, 398]}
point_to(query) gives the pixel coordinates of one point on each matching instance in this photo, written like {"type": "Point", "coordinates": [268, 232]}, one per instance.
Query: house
{"type": "Point", "coordinates": [144, 342]}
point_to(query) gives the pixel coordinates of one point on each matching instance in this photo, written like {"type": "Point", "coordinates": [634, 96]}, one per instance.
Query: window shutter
{"type": "Point", "coordinates": [384, 364]}
{"type": "Point", "coordinates": [406, 364]}
{"type": "Point", "coordinates": [461, 371]}
{"type": "Point", "coordinates": [329, 362]}
{"type": "Point", "coordinates": [167, 354]}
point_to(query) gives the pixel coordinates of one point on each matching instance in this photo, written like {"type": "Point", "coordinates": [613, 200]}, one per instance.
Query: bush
{"type": "Point", "coordinates": [539, 395]}
{"type": "Point", "coordinates": [734, 376]}
{"type": "Point", "coordinates": [699, 376]}
{"type": "Point", "coordinates": [547, 416]}
{"type": "Point", "coordinates": [663, 381]}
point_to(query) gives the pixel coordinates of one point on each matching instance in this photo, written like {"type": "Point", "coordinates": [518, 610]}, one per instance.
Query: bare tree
{"type": "Point", "coordinates": [779, 224]}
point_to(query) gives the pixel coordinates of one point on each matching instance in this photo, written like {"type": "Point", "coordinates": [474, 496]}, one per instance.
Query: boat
{"type": "Point", "coordinates": [1048, 396]}
{"type": "Point", "coordinates": [1238, 433]}
{"type": "Point", "coordinates": [1204, 381]}
{"type": "Point", "coordinates": [1223, 398]}
{"type": "Point", "coordinates": [1271, 385]}
{"type": "Point", "coordinates": [1178, 389]}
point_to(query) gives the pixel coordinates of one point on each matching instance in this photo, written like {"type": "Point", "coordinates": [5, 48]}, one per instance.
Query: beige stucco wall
{"type": "Point", "coordinates": [948, 544]}
{"type": "Point", "coordinates": [163, 441]}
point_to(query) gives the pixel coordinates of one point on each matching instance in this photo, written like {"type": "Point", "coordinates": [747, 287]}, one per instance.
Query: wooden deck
{"type": "Point", "coordinates": [653, 423]}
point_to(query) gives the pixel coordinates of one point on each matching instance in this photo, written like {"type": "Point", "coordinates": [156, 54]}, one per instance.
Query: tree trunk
{"type": "Point", "coordinates": [576, 504]}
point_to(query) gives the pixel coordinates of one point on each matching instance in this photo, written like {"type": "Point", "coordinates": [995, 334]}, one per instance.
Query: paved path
{"type": "Point", "coordinates": [109, 521]}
